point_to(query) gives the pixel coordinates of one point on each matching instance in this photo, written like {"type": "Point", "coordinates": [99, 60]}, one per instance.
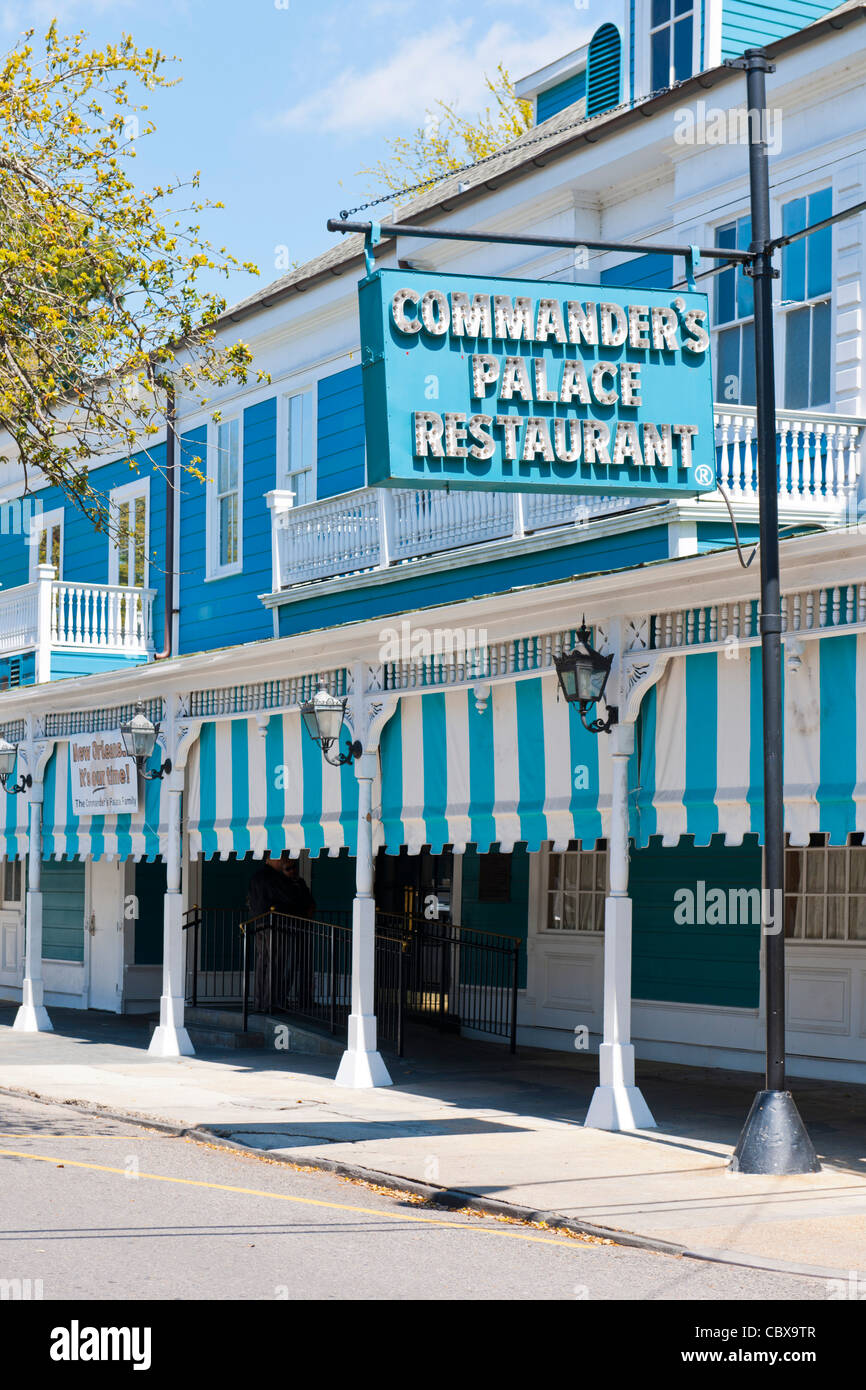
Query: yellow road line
{"type": "Point", "coordinates": [286, 1197]}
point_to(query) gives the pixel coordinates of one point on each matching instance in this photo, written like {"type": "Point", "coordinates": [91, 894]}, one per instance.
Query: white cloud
{"type": "Point", "coordinates": [446, 63]}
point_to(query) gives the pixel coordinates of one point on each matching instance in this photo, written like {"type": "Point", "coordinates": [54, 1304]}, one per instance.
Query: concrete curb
{"type": "Point", "coordinates": [442, 1196]}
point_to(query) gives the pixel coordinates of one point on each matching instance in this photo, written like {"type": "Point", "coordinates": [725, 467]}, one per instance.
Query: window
{"type": "Point", "coordinates": [825, 892]}
{"type": "Point", "coordinates": [298, 473]}
{"type": "Point", "coordinates": [806, 290]}
{"type": "Point", "coordinates": [576, 890]}
{"type": "Point", "coordinates": [734, 322]}
{"type": "Point", "coordinates": [12, 882]}
{"type": "Point", "coordinates": [129, 548]}
{"type": "Point", "coordinates": [46, 541]}
{"type": "Point", "coordinates": [672, 38]}
{"type": "Point", "coordinates": [225, 505]}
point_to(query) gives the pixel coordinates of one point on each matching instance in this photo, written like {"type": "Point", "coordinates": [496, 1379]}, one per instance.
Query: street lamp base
{"type": "Point", "coordinates": [774, 1139]}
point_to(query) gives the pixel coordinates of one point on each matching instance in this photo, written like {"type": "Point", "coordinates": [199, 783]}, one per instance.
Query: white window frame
{"type": "Point", "coordinates": [43, 521]}
{"type": "Point", "coordinates": [738, 323]}
{"type": "Point", "coordinates": [214, 570]}
{"type": "Point", "coordinates": [12, 904]}
{"type": "Point", "coordinates": [283, 461]}
{"type": "Point", "coordinates": [783, 310]}
{"type": "Point", "coordinates": [570, 933]}
{"type": "Point", "coordinates": [643, 54]}
{"type": "Point", "coordinates": [128, 492]}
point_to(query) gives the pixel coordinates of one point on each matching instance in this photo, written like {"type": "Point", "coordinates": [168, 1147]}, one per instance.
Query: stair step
{"type": "Point", "coordinates": [222, 1037]}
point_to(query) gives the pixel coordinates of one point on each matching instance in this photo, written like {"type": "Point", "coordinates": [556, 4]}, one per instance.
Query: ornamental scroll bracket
{"type": "Point", "coordinates": [640, 674]}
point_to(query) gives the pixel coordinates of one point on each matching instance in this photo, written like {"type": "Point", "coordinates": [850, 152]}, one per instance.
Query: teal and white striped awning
{"type": "Point", "coordinates": [13, 837]}
{"type": "Point", "coordinates": [698, 766]}
{"type": "Point", "coordinates": [253, 788]}
{"type": "Point", "coordinates": [521, 769]}
{"type": "Point", "coordinates": [130, 835]}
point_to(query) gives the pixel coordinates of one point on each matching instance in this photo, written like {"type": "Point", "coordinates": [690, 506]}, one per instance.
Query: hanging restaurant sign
{"type": "Point", "coordinates": [102, 774]}
{"type": "Point", "coordinates": [475, 382]}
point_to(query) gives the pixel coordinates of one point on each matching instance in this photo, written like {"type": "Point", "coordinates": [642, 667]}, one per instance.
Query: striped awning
{"type": "Point", "coordinates": [698, 767]}
{"type": "Point", "coordinates": [115, 836]}
{"type": "Point", "coordinates": [253, 788]}
{"type": "Point", "coordinates": [13, 835]}
{"type": "Point", "coordinates": [521, 769]}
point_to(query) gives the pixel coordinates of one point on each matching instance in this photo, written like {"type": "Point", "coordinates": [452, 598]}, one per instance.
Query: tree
{"type": "Point", "coordinates": [101, 313]}
{"type": "Point", "coordinates": [447, 141]}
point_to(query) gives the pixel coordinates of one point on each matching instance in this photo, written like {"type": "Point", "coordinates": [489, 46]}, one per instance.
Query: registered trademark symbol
{"type": "Point", "coordinates": [704, 474]}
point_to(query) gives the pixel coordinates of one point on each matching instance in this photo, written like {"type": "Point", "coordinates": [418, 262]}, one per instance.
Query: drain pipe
{"type": "Point", "coordinates": [170, 521]}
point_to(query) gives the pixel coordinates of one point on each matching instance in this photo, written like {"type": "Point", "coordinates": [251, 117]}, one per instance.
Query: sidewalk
{"type": "Point", "coordinates": [469, 1116]}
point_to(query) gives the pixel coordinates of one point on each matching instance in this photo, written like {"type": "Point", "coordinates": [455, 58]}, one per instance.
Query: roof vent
{"type": "Point", "coordinates": [603, 69]}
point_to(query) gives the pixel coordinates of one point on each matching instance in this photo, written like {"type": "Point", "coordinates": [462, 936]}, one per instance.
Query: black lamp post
{"type": "Point", "coordinates": [323, 718]}
{"type": "Point", "coordinates": [583, 675]}
{"type": "Point", "coordinates": [8, 758]}
{"type": "Point", "coordinates": [139, 739]}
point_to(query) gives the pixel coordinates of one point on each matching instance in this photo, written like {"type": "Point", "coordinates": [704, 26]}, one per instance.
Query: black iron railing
{"type": "Point", "coordinates": [303, 967]}
{"type": "Point", "coordinates": [214, 955]}
{"type": "Point", "coordinates": [430, 971]}
{"type": "Point", "coordinates": [457, 976]}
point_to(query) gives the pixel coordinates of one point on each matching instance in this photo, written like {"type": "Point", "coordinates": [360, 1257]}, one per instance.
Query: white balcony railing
{"type": "Point", "coordinates": [374, 528]}
{"type": "Point", "coordinates": [58, 615]}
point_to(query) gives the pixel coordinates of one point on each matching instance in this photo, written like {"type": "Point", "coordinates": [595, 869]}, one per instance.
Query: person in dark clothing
{"type": "Point", "coordinates": [278, 887]}
{"type": "Point", "coordinates": [283, 968]}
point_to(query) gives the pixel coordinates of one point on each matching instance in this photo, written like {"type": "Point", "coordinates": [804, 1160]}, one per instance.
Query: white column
{"type": "Point", "coordinates": [170, 1038]}
{"type": "Point", "coordinates": [361, 1064]}
{"type": "Point", "coordinates": [32, 1016]}
{"type": "Point", "coordinates": [617, 1102]}
{"type": "Point", "coordinates": [45, 577]}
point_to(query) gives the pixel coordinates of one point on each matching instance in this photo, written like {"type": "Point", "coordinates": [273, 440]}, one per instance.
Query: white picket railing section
{"type": "Point", "coordinates": [819, 458]}
{"type": "Point", "coordinates": [59, 615]}
{"type": "Point", "coordinates": [373, 528]}
{"type": "Point", "coordinates": [106, 617]}
{"type": "Point", "coordinates": [19, 618]}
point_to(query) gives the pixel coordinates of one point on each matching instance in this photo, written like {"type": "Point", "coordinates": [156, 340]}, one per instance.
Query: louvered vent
{"type": "Point", "coordinates": [603, 65]}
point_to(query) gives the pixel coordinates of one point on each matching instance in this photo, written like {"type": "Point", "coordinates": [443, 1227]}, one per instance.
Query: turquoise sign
{"type": "Point", "coordinates": [471, 382]}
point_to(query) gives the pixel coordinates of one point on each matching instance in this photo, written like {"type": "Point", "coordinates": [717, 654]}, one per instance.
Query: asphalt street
{"type": "Point", "coordinates": [95, 1209]}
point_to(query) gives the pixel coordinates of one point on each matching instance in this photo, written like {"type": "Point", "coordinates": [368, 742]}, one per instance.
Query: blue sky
{"type": "Point", "coordinates": [283, 101]}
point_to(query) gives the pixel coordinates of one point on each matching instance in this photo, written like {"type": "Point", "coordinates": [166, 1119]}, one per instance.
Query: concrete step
{"type": "Point", "coordinates": [202, 1037]}
{"type": "Point", "coordinates": [222, 1028]}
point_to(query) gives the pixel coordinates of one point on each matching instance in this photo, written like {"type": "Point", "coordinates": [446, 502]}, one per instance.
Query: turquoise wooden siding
{"type": "Point", "coordinates": [340, 454]}
{"type": "Point", "coordinates": [651, 271]}
{"type": "Point", "coordinates": [63, 909]}
{"type": "Point", "coordinates": [603, 70]}
{"type": "Point", "coordinates": [150, 886]}
{"type": "Point", "coordinates": [746, 24]}
{"type": "Point", "coordinates": [451, 585]}
{"type": "Point", "coordinates": [555, 99]}
{"type": "Point", "coordinates": [703, 963]}
{"type": "Point", "coordinates": [221, 612]}
{"type": "Point", "coordinates": [511, 918]}
{"type": "Point", "coordinates": [332, 883]}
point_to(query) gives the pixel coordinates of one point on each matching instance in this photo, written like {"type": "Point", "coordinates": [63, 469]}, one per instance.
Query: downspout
{"type": "Point", "coordinates": [170, 521]}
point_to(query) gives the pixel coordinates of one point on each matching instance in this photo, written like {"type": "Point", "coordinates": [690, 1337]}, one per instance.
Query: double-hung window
{"type": "Point", "coordinates": [298, 474]}
{"type": "Point", "coordinates": [226, 503]}
{"type": "Point", "coordinates": [46, 541]}
{"type": "Point", "coordinates": [807, 283]}
{"type": "Point", "coordinates": [128, 555]}
{"type": "Point", "coordinates": [734, 321]}
{"type": "Point", "coordinates": [575, 890]}
{"type": "Point", "coordinates": [672, 38]}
